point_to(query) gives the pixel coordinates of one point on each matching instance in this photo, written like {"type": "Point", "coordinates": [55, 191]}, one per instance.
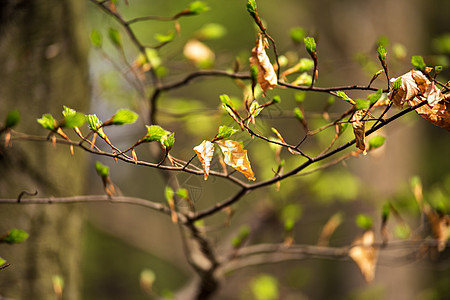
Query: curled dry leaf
{"type": "Point", "coordinates": [359, 129]}
{"type": "Point", "coordinates": [267, 78]}
{"type": "Point", "coordinates": [205, 152]}
{"type": "Point", "coordinates": [236, 157]}
{"type": "Point", "coordinates": [365, 255]}
{"type": "Point", "coordinates": [440, 227]}
{"type": "Point", "coordinates": [438, 115]}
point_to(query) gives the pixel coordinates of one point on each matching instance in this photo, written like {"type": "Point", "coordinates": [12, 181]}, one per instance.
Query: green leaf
{"type": "Point", "coordinates": [402, 231]}
{"type": "Point", "coordinates": [168, 141]}
{"type": "Point", "coordinates": [331, 100]}
{"type": "Point", "coordinates": [344, 97]}
{"type": "Point", "coordinates": [343, 126]}
{"type": "Point", "coordinates": [255, 108]}
{"type": "Point", "coordinates": [276, 99]}
{"type": "Point", "coordinates": [254, 72]}
{"type": "Point", "coordinates": [251, 7]}
{"type": "Point", "coordinates": [115, 37]}
{"type": "Point", "coordinates": [303, 79]}
{"type": "Point", "coordinates": [155, 133]}
{"type": "Point", "coordinates": [418, 63]}
{"type": "Point", "coordinates": [438, 69]}
{"type": "Point", "coordinates": [397, 83]}
{"type": "Point", "coordinates": [75, 120]}
{"type": "Point", "coordinates": [183, 193]}
{"type": "Point", "coordinates": [265, 287]}
{"type": "Point", "coordinates": [298, 114]}
{"type": "Point", "coordinates": [165, 38]}
{"type": "Point", "coordinates": [364, 221]}
{"type": "Point", "coordinates": [376, 142]}
{"type": "Point", "coordinates": [197, 7]}
{"type": "Point", "coordinates": [297, 34]}
{"type": "Point", "coordinates": [225, 132]}
{"type": "Point", "coordinates": [373, 98]}
{"type": "Point", "coordinates": [289, 225]}
{"type": "Point", "coordinates": [124, 116]}
{"type": "Point", "coordinates": [382, 53]}
{"type": "Point", "coordinates": [299, 96]}
{"type": "Point", "coordinates": [291, 212]}
{"type": "Point", "coordinates": [2, 261]}
{"type": "Point", "coordinates": [94, 122]}
{"type": "Point", "coordinates": [383, 41]}
{"type": "Point", "coordinates": [48, 122]}
{"type": "Point", "coordinates": [15, 236]}
{"type": "Point", "coordinates": [238, 240]}
{"type": "Point", "coordinates": [12, 118]}
{"type": "Point", "coordinates": [212, 31]}
{"type": "Point", "coordinates": [225, 99]}
{"type": "Point", "coordinates": [310, 44]}
{"type": "Point", "coordinates": [169, 193]}
{"type": "Point", "coordinates": [102, 170]}
{"type": "Point", "coordinates": [362, 104]}
{"type": "Point", "coordinates": [386, 211]}
{"type": "Point", "coordinates": [96, 38]}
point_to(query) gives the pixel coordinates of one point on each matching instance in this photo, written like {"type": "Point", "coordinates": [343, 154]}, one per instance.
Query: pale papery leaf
{"type": "Point", "coordinates": [236, 157]}
{"type": "Point", "coordinates": [205, 152]}
{"type": "Point", "coordinates": [365, 255]}
{"type": "Point", "coordinates": [267, 77]}
{"type": "Point", "coordinates": [359, 129]}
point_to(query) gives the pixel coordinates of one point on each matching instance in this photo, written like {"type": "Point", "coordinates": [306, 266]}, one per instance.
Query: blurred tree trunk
{"type": "Point", "coordinates": [43, 66]}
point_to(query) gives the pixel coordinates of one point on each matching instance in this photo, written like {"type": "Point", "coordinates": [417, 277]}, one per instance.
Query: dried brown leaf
{"type": "Point", "coordinates": [359, 128]}
{"type": "Point", "coordinates": [267, 78]}
{"type": "Point", "coordinates": [236, 157]}
{"type": "Point", "coordinates": [365, 255]}
{"type": "Point", "coordinates": [205, 152]}
{"type": "Point", "coordinates": [440, 227]}
{"type": "Point", "coordinates": [438, 115]}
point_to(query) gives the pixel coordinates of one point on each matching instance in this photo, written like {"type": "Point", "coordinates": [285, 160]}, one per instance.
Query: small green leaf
{"type": "Point", "coordinates": [299, 114]}
{"type": "Point", "coordinates": [297, 34]}
{"type": "Point", "coordinates": [102, 170]}
{"type": "Point", "coordinates": [225, 99]}
{"type": "Point", "coordinates": [255, 108]}
{"type": "Point", "coordinates": [155, 133]}
{"type": "Point", "coordinates": [362, 104]}
{"type": "Point", "coordinates": [251, 7]}
{"type": "Point", "coordinates": [373, 98]}
{"type": "Point", "coordinates": [402, 231]}
{"type": "Point", "coordinates": [115, 37]}
{"type": "Point", "coordinates": [225, 132]}
{"type": "Point", "coordinates": [344, 97]}
{"type": "Point", "coordinates": [397, 83]}
{"type": "Point", "coordinates": [169, 193]}
{"type": "Point", "coordinates": [165, 38]}
{"type": "Point", "coordinates": [183, 193]}
{"type": "Point", "coordinates": [382, 53]}
{"type": "Point", "coordinates": [94, 122]}
{"type": "Point", "coordinates": [96, 38]}
{"type": "Point", "coordinates": [168, 141]}
{"type": "Point", "coordinates": [265, 287]}
{"type": "Point", "coordinates": [12, 118]}
{"type": "Point", "coordinates": [2, 261]}
{"type": "Point", "coordinates": [299, 96]}
{"type": "Point", "coordinates": [289, 225]}
{"type": "Point", "coordinates": [197, 7]}
{"type": "Point", "coordinates": [291, 212]}
{"type": "Point", "coordinates": [310, 44]}
{"type": "Point", "coordinates": [48, 122]}
{"type": "Point", "coordinates": [438, 69]}
{"type": "Point", "coordinates": [376, 142]}
{"type": "Point", "coordinates": [254, 72]}
{"type": "Point", "coordinates": [124, 116]}
{"type": "Point", "coordinates": [331, 100]}
{"type": "Point", "coordinates": [15, 236]}
{"type": "Point", "coordinates": [276, 99]}
{"type": "Point", "coordinates": [303, 79]}
{"type": "Point", "coordinates": [212, 31]}
{"type": "Point", "coordinates": [364, 221]}
{"type": "Point", "coordinates": [386, 211]}
{"type": "Point", "coordinates": [75, 120]}
{"type": "Point", "coordinates": [238, 240]}
{"type": "Point", "coordinates": [343, 126]}
{"type": "Point", "coordinates": [418, 63]}
{"type": "Point", "coordinates": [383, 41]}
